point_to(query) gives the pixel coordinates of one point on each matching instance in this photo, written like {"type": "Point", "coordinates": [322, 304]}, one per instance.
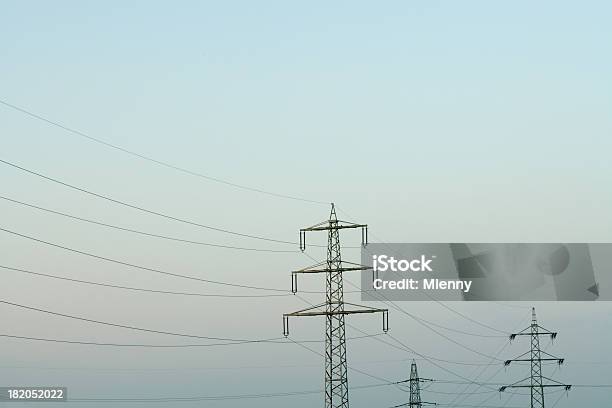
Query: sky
{"type": "Point", "coordinates": [430, 121]}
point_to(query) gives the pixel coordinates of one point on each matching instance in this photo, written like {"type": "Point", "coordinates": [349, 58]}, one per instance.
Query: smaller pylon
{"type": "Point", "coordinates": [415, 389]}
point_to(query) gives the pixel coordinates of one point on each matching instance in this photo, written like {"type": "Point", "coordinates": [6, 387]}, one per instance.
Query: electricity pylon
{"type": "Point", "coordinates": [415, 389]}
{"type": "Point", "coordinates": [336, 380]}
{"type": "Point", "coordinates": [536, 380]}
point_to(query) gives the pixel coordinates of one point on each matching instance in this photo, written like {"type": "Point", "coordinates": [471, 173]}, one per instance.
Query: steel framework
{"type": "Point", "coordinates": [415, 389]}
{"type": "Point", "coordinates": [536, 379]}
{"type": "Point", "coordinates": [334, 310]}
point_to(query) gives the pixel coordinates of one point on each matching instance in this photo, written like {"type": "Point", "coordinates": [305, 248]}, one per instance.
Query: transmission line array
{"type": "Point", "coordinates": [148, 234]}
{"type": "Point", "coordinates": [143, 209]}
{"type": "Point", "coordinates": [336, 378]}
{"type": "Point", "coordinates": [315, 269]}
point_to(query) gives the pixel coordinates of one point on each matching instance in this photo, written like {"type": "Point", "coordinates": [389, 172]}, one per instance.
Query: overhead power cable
{"type": "Point", "coordinates": [156, 161]}
{"type": "Point", "coordinates": [135, 328]}
{"type": "Point", "coordinates": [216, 397]}
{"type": "Point", "coordinates": [386, 301]}
{"type": "Point", "coordinates": [169, 346]}
{"type": "Point", "coordinates": [480, 384]}
{"type": "Point", "coordinates": [131, 288]}
{"type": "Point", "coordinates": [383, 380]}
{"type": "Point", "coordinates": [177, 275]}
{"type": "Point", "coordinates": [135, 345]}
{"type": "Point", "coordinates": [148, 234]}
{"type": "Point", "coordinates": [403, 347]}
{"type": "Point", "coordinates": [277, 340]}
{"type": "Point", "coordinates": [146, 210]}
{"type": "Point", "coordinates": [505, 333]}
{"type": "Point", "coordinates": [131, 265]}
{"type": "Point", "coordinates": [422, 322]}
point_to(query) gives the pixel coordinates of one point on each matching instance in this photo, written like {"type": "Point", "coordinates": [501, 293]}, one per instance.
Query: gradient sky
{"type": "Point", "coordinates": [431, 121]}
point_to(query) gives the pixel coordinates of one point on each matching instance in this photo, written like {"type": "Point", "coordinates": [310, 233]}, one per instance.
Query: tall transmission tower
{"type": "Point", "coordinates": [336, 379]}
{"type": "Point", "coordinates": [535, 382]}
{"type": "Point", "coordinates": [415, 389]}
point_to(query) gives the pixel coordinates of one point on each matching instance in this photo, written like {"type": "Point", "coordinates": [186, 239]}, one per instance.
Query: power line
{"type": "Point", "coordinates": [446, 306]}
{"type": "Point", "coordinates": [420, 321]}
{"type": "Point", "coordinates": [131, 265]}
{"type": "Point", "coordinates": [217, 397]}
{"type": "Point", "coordinates": [478, 406]}
{"type": "Point", "coordinates": [170, 346]}
{"type": "Point", "coordinates": [480, 384]}
{"type": "Point", "coordinates": [156, 161]}
{"type": "Point", "coordinates": [403, 347]}
{"type": "Point", "coordinates": [465, 393]}
{"type": "Point", "coordinates": [139, 208]}
{"type": "Point", "coordinates": [131, 345]}
{"type": "Point", "coordinates": [384, 381]}
{"type": "Point", "coordinates": [148, 234]}
{"type": "Point", "coordinates": [469, 318]}
{"type": "Point", "coordinates": [424, 321]}
{"type": "Point", "coordinates": [446, 327]}
{"type": "Point", "coordinates": [131, 288]}
{"type": "Point", "coordinates": [430, 361]}
{"type": "Point", "coordinates": [444, 336]}
{"type": "Point", "coordinates": [419, 354]}
{"type": "Point", "coordinates": [135, 328]}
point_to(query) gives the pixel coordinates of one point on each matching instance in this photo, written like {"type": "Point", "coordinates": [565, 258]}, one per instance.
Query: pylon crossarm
{"type": "Point", "coordinates": [320, 310]}
{"type": "Point", "coordinates": [518, 385]}
{"type": "Point", "coordinates": [317, 268]}
{"type": "Point", "coordinates": [525, 332]}
{"type": "Point", "coordinates": [324, 226]}
{"type": "Point", "coordinates": [558, 360]}
{"type": "Point", "coordinates": [549, 358]}
{"type": "Point", "coordinates": [339, 312]}
{"type": "Point", "coordinates": [567, 386]}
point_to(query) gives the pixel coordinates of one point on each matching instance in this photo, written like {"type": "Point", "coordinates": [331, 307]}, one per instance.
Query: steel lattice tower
{"type": "Point", "coordinates": [536, 379]}
{"type": "Point", "coordinates": [415, 389]}
{"type": "Point", "coordinates": [336, 376]}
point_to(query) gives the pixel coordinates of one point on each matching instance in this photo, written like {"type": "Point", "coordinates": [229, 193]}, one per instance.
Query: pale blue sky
{"type": "Point", "coordinates": [431, 121]}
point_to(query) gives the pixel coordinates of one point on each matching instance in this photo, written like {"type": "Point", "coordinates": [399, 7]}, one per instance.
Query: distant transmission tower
{"type": "Point", "coordinates": [415, 389]}
{"type": "Point", "coordinates": [536, 381]}
{"type": "Point", "coordinates": [336, 380]}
